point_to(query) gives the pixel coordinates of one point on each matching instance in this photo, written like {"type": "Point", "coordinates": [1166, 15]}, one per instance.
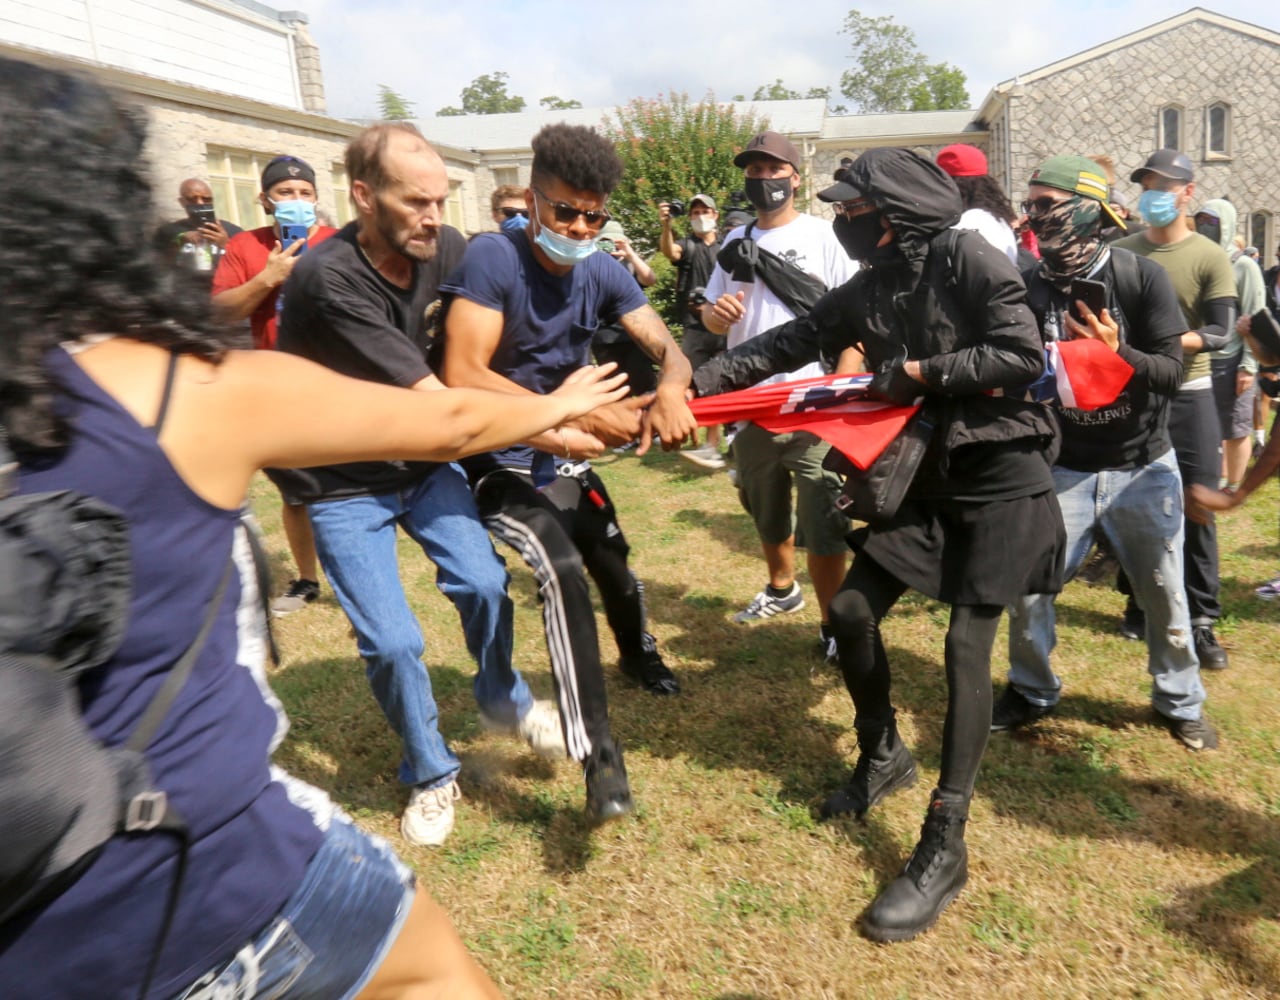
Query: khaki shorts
{"type": "Point", "coordinates": [768, 464]}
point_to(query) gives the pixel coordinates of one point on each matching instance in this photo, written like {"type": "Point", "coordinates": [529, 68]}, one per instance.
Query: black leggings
{"type": "Point", "coordinates": [865, 597]}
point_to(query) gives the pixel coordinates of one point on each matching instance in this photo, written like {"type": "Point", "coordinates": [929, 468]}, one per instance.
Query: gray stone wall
{"type": "Point", "coordinates": [310, 75]}
{"type": "Point", "coordinates": [1111, 104]}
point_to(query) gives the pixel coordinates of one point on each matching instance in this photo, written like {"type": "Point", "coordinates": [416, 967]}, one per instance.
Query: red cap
{"type": "Point", "coordinates": [961, 160]}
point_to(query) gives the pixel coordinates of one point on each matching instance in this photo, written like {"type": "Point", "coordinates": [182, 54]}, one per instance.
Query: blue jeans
{"type": "Point", "coordinates": [1140, 513]}
{"type": "Point", "coordinates": [333, 933]}
{"type": "Point", "coordinates": [356, 543]}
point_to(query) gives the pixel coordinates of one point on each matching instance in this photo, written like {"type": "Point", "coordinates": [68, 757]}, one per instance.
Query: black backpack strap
{"type": "Point", "coordinates": [1127, 283]}
{"type": "Point", "coordinates": [159, 706]}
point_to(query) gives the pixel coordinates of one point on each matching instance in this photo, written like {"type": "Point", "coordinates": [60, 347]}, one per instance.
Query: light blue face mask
{"type": "Point", "coordinates": [1158, 208]}
{"type": "Point", "coordinates": [561, 249]}
{"type": "Point", "coordinates": [294, 213]}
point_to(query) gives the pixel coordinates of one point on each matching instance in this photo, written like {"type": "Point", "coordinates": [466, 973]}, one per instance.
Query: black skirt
{"type": "Point", "coordinates": [972, 552]}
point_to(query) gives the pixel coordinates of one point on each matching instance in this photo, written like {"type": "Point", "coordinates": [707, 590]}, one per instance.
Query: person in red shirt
{"type": "Point", "coordinates": [247, 285]}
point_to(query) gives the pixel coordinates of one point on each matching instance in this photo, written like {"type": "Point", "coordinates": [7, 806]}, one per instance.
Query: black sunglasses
{"type": "Point", "coordinates": [566, 213]}
{"type": "Point", "coordinates": [1038, 206]}
{"type": "Point", "coordinates": [511, 213]}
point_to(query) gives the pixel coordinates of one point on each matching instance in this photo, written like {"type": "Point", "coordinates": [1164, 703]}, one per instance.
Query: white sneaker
{"type": "Point", "coordinates": [707, 457]}
{"type": "Point", "coordinates": [428, 818]}
{"type": "Point", "coordinates": [540, 728]}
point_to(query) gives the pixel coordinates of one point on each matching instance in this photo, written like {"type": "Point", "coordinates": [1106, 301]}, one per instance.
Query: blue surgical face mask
{"type": "Point", "coordinates": [514, 224]}
{"type": "Point", "coordinates": [1158, 208]}
{"type": "Point", "coordinates": [294, 213]}
{"type": "Point", "coordinates": [561, 249]}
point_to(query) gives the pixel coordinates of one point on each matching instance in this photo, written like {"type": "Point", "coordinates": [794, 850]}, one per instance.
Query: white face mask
{"type": "Point", "coordinates": [703, 224]}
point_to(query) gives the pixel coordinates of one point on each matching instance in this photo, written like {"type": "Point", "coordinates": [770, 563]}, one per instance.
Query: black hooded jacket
{"type": "Point", "coordinates": [947, 297]}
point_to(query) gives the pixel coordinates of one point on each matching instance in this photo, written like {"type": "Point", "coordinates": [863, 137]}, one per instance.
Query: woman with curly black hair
{"type": "Point", "coordinates": [117, 384]}
{"type": "Point", "coordinates": [986, 207]}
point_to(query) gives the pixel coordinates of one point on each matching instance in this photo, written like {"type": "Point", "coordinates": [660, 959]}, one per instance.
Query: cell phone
{"type": "Point", "coordinates": [202, 215]}
{"type": "Point", "coordinates": [1091, 293]}
{"type": "Point", "coordinates": [291, 234]}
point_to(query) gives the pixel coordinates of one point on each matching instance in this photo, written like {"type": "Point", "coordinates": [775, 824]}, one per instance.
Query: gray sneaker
{"type": "Point", "coordinates": [706, 457]}
{"type": "Point", "coordinates": [298, 596]}
{"type": "Point", "coordinates": [766, 605]}
{"type": "Point", "coordinates": [1195, 734]}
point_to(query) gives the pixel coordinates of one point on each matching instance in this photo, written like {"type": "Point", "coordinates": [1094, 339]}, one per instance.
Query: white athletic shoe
{"type": "Point", "coordinates": [707, 457]}
{"type": "Point", "coordinates": [540, 728]}
{"type": "Point", "coordinates": [428, 818]}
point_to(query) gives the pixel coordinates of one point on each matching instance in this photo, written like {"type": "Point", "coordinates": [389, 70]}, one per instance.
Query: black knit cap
{"type": "Point", "coordinates": [286, 168]}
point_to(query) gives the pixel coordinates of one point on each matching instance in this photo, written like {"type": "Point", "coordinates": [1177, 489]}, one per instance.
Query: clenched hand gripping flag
{"type": "Point", "coordinates": [1081, 374]}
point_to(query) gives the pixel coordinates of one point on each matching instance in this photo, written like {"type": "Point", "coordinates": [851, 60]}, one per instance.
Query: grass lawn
{"type": "Point", "coordinates": [1105, 860]}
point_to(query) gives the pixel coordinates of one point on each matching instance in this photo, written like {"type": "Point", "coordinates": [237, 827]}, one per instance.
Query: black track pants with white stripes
{"type": "Point", "coordinates": [559, 531]}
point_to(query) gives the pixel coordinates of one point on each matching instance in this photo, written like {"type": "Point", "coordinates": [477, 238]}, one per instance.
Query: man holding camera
{"type": "Point", "coordinates": [521, 310]}
{"type": "Point", "coordinates": [695, 259]}
{"type": "Point", "coordinates": [195, 242]}
{"type": "Point", "coordinates": [1116, 476]}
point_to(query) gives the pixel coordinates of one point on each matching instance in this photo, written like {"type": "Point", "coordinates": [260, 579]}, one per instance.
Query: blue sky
{"type": "Point", "coordinates": [605, 53]}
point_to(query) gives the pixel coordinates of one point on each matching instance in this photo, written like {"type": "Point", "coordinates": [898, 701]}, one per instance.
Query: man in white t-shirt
{"type": "Point", "coordinates": [768, 463]}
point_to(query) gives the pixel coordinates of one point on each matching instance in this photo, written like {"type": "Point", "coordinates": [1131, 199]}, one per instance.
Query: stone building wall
{"type": "Point", "coordinates": [180, 134]}
{"type": "Point", "coordinates": [1111, 104]}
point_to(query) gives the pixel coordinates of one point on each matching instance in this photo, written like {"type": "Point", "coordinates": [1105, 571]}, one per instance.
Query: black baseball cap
{"type": "Point", "coordinates": [843, 189]}
{"type": "Point", "coordinates": [1167, 163]}
{"type": "Point", "coordinates": [285, 168]}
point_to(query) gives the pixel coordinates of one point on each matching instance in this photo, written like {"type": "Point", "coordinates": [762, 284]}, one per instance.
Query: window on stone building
{"type": "Point", "coordinates": [342, 210]}
{"type": "Point", "coordinates": [235, 175]}
{"type": "Point", "coordinates": [505, 175]}
{"type": "Point", "coordinates": [453, 206]}
{"type": "Point", "coordinates": [1170, 136]}
{"type": "Point", "coordinates": [1260, 232]}
{"type": "Point", "coordinates": [1217, 129]}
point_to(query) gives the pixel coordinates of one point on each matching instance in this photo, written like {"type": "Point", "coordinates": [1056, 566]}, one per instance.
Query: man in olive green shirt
{"type": "Point", "coordinates": [1205, 285]}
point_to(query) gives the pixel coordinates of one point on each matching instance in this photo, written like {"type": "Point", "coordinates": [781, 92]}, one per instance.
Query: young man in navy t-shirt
{"type": "Point", "coordinates": [522, 308]}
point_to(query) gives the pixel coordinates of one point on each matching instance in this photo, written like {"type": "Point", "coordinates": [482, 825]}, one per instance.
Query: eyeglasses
{"type": "Point", "coordinates": [566, 213]}
{"type": "Point", "coordinates": [511, 213]}
{"type": "Point", "coordinates": [849, 207]}
{"type": "Point", "coordinates": [1038, 206]}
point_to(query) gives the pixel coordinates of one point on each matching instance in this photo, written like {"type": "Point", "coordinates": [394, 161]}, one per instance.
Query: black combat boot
{"type": "Point", "coordinates": [884, 765]}
{"type": "Point", "coordinates": [608, 792]}
{"type": "Point", "coordinates": [934, 875]}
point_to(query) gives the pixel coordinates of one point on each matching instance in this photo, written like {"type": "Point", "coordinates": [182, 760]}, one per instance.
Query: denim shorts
{"type": "Point", "coordinates": [330, 937]}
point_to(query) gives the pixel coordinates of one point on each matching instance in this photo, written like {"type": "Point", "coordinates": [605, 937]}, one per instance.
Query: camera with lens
{"type": "Point", "coordinates": [698, 297]}
{"type": "Point", "coordinates": [606, 245]}
{"type": "Point", "coordinates": [675, 207]}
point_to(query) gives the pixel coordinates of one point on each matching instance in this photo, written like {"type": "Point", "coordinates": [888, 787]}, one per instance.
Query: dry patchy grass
{"type": "Point", "coordinates": [1106, 860]}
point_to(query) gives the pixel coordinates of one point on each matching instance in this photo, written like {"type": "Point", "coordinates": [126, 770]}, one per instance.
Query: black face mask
{"type": "Point", "coordinates": [859, 234]}
{"type": "Point", "coordinates": [1213, 230]}
{"type": "Point", "coordinates": [768, 194]}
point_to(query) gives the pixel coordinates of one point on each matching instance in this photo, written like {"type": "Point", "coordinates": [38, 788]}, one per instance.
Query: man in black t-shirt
{"type": "Point", "coordinates": [195, 242]}
{"type": "Point", "coordinates": [1116, 474]}
{"type": "Point", "coordinates": [695, 259]}
{"type": "Point", "coordinates": [358, 303]}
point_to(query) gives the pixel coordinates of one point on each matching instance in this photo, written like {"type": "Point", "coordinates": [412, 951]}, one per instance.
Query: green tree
{"type": "Point", "coordinates": [891, 74]}
{"type": "Point", "coordinates": [486, 95]}
{"type": "Point", "coordinates": [673, 148]}
{"type": "Point", "coordinates": [778, 91]}
{"type": "Point", "coordinates": [558, 104]}
{"type": "Point", "coordinates": [393, 107]}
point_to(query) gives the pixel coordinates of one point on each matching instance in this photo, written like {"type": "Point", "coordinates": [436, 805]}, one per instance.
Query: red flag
{"type": "Point", "coordinates": [1089, 374]}
{"type": "Point", "coordinates": [832, 407]}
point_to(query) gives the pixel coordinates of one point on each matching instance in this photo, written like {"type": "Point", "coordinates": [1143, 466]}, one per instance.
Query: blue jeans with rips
{"type": "Point", "coordinates": [1140, 512]}
{"type": "Point", "coordinates": [356, 543]}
